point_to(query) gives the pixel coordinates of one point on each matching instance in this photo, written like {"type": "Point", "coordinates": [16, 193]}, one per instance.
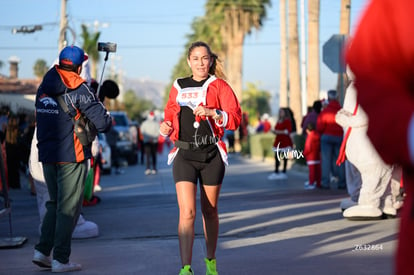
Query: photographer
{"type": "Point", "coordinates": [63, 156]}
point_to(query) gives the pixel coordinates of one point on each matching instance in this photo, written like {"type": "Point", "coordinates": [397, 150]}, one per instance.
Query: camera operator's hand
{"type": "Point", "coordinates": [166, 128]}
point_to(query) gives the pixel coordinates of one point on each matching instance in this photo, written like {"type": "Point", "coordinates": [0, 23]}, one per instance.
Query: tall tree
{"type": "Point", "coordinates": [206, 29]}
{"type": "Point", "coordinates": [40, 68]}
{"type": "Point", "coordinates": [255, 102]}
{"type": "Point", "coordinates": [135, 106]}
{"type": "Point", "coordinates": [283, 89]}
{"type": "Point", "coordinates": [313, 80]}
{"type": "Point", "coordinates": [295, 98]}
{"type": "Point", "coordinates": [203, 29]}
{"type": "Point", "coordinates": [90, 46]}
{"type": "Point", "coordinates": [237, 18]}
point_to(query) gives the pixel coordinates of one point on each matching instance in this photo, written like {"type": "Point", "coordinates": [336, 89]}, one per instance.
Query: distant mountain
{"type": "Point", "coordinates": [146, 88]}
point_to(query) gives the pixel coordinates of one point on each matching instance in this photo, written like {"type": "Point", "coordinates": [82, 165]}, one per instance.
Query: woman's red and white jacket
{"type": "Point", "coordinates": [219, 96]}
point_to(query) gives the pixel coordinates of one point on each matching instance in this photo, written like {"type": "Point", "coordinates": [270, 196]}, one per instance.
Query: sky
{"type": "Point", "coordinates": [150, 36]}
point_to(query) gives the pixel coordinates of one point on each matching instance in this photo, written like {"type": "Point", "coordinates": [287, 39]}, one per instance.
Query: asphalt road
{"type": "Point", "coordinates": [266, 227]}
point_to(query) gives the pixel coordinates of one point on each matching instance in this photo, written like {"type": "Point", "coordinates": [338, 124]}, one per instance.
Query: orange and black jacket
{"type": "Point", "coordinates": [57, 142]}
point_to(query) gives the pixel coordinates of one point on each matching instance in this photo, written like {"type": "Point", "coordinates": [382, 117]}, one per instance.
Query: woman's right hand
{"type": "Point", "coordinates": [166, 128]}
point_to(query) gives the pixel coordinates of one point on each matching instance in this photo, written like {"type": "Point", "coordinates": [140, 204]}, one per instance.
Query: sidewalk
{"type": "Point", "coordinates": [266, 227]}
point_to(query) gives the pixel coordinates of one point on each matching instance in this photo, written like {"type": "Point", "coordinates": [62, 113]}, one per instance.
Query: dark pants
{"type": "Point", "coordinates": [115, 157]}
{"type": "Point", "coordinates": [65, 183]}
{"type": "Point", "coordinates": [277, 162]}
{"type": "Point", "coordinates": [230, 139]}
{"type": "Point", "coordinates": [330, 146]}
{"type": "Point", "coordinates": [150, 149]}
{"type": "Point", "coordinates": [142, 151]}
{"type": "Point", "coordinates": [13, 165]}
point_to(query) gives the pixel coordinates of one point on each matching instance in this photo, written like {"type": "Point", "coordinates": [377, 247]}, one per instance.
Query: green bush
{"type": "Point", "coordinates": [261, 145]}
{"type": "Point", "coordinates": [245, 146]}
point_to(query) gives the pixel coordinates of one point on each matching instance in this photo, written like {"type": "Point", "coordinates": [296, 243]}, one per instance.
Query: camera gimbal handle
{"type": "Point", "coordinates": [103, 69]}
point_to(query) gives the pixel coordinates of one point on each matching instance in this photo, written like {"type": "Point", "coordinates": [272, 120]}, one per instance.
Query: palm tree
{"type": "Point", "coordinates": [203, 29]}
{"type": "Point", "coordinates": [313, 51]}
{"type": "Point", "coordinates": [90, 42]}
{"type": "Point", "coordinates": [283, 90]}
{"type": "Point", "coordinates": [237, 18]}
{"type": "Point", "coordinates": [255, 101]}
{"type": "Point", "coordinates": [40, 68]}
{"type": "Point", "coordinates": [295, 98]}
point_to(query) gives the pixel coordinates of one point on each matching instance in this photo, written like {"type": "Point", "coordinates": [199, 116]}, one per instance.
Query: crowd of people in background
{"type": "Point", "coordinates": [333, 159]}
{"type": "Point", "coordinates": [16, 132]}
{"type": "Point", "coordinates": [322, 140]}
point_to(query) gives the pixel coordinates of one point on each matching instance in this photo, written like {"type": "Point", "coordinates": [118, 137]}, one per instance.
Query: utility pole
{"type": "Point", "coordinates": [303, 57]}
{"type": "Point", "coordinates": [283, 88]}
{"type": "Point", "coordinates": [63, 26]}
{"type": "Point", "coordinates": [344, 27]}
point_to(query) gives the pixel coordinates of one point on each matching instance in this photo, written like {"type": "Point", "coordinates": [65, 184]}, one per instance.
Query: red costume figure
{"type": "Point", "coordinates": [282, 144]}
{"type": "Point", "coordinates": [381, 56]}
{"type": "Point", "coordinates": [312, 153]}
{"type": "Point", "coordinates": [264, 125]}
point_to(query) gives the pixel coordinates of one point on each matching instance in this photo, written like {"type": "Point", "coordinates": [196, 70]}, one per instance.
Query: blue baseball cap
{"type": "Point", "coordinates": [72, 55]}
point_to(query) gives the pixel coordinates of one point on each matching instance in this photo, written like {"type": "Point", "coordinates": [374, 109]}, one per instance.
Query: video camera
{"type": "Point", "coordinates": [107, 47]}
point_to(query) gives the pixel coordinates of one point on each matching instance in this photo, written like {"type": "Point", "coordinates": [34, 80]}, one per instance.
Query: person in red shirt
{"type": "Point", "coordinates": [331, 139]}
{"type": "Point", "coordinates": [282, 144]}
{"type": "Point", "coordinates": [312, 153]}
{"type": "Point", "coordinates": [264, 125]}
{"type": "Point", "coordinates": [380, 55]}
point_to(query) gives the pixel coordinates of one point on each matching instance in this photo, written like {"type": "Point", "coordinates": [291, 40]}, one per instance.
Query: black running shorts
{"type": "Point", "coordinates": [209, 173]}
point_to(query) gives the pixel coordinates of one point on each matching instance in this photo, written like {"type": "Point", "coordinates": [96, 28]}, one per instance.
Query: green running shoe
{"type": "Point", "coordinates": [186, 270]}
{"type": "Point", "coordinates": [211, 268]}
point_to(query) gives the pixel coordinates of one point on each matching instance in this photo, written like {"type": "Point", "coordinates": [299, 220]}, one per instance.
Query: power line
{"type": "Point", "coordinates": [128, 47]}
{"type": "Point", "coordinates": [28, 48]}
{"type": "Point", "coordinates": [8, 27]}
{"type": "Point", "coordinates": [25, 29]}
